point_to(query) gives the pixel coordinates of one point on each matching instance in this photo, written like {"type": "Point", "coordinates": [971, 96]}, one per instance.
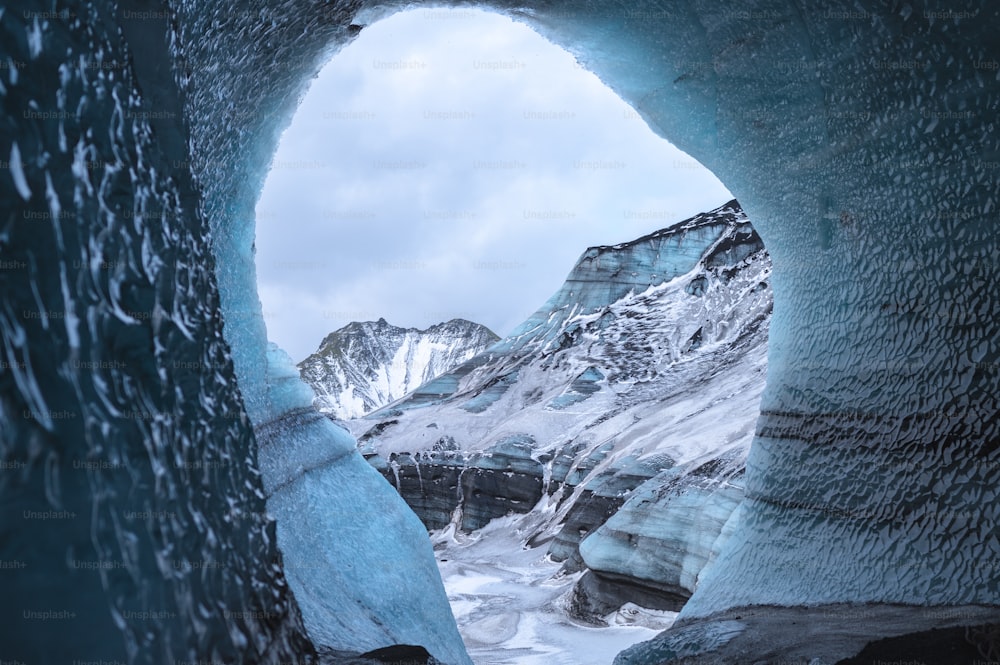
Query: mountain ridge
{"type": "Point", "coordinates": [367, 364]}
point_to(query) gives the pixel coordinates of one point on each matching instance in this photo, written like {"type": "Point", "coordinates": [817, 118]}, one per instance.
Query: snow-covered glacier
{"type": "Point", "coordinates": [368, 364]}
{"type": "Point", "coordinates": [858, 135]}
{"type": "Point", "coordinates": [616, 419]}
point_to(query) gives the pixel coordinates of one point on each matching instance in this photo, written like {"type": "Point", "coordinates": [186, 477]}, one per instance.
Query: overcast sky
{"type": "Point", "coordinates": [453, 163]}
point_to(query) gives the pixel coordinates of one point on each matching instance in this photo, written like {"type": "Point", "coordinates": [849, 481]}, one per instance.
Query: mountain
{"type": "Point", "coordinates": [617, 418]}
{"type": "Point", "coordinates": [363, 366]}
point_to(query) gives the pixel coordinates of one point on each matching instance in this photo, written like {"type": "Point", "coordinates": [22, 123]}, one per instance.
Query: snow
{"type": "Point", "coordinates": [612, 390]}
{"type": "Point", "coordinates": [639, 399]}
{"type": "Point", "coordinates": [509, 602]}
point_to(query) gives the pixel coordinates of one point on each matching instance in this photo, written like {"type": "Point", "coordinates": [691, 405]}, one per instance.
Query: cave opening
{"type": "Point", "coordinates": [454, 164]}
{"type": "Point", "coordinates": [824, 134]}
{"type": "Point", "coordinates": [457, 152]}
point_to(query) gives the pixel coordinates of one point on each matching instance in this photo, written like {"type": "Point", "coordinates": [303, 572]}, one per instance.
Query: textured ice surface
{"type": "Point", "coordinates": [299, 449]}
{"type": "Point", "coordinates": [347, 543]}
{"type": "Point", "coordinates": [331, 526]}
{"type": "Point", "coordinates": [133, 525]}
{"type": "Point", "coordinates": [669, 528]}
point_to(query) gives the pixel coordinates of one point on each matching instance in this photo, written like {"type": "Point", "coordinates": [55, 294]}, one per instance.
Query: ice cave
{"type": "Point", "coordinates": [859, 136]}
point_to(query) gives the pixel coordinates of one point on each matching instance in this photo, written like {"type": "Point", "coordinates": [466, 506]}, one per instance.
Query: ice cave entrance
{"type": "Point", "coordinates": [453, 163]}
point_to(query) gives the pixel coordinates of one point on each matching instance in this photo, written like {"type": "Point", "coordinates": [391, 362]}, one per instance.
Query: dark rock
{"type": "Point", "coordinates": [376, 430]}
{"type": "Point", "coordinates": [965, 645]}
{"type": "Point", "coordinates": [401, 654]}
{"type": "Point", "coordinates": [429, 484]}
{"type": "Point", "coordinates": [735, 247]}
{"type": "Point", "coordinates": [696, 287]}
{"type": "Point", "coordinates": [502, 481]}
{"type": "Point", "coordinates": [588, 512]}
{"type": "Point", "coordinates": [845, 634]}
{"type": "Point", "coordinates": [445, 443]}
{"type": "Point", "coordinates": [488, 494]}
{"type": "Point", "coordinates": [596, 595]}
{"type": "Point", "coordinates": [397, 654]}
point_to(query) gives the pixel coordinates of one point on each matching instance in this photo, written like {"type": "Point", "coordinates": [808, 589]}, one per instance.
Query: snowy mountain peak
{"type": "Point", "coordinates": [367, 364]}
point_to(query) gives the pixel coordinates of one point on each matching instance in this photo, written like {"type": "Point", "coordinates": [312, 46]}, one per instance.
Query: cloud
{"type": "Point", "coordinates": [454, 164]}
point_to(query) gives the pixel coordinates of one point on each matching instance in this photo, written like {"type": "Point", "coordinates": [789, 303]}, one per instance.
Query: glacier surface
{"type": "Point", "coordinates": [627, 396]}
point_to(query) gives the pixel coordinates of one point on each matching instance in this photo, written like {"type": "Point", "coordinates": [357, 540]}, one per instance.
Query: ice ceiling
{"type": "Point", "coordinates": [859, 136]}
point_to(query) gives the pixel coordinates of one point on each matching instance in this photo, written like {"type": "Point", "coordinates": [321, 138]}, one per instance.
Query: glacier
{"type": "Point", "coordinates": [617, 442]}
{"type": "Point", "coordinates": [858, 135]}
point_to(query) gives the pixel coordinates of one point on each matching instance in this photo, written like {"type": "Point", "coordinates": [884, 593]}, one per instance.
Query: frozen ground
{"type": "Point", "coordinates": [510, 602]}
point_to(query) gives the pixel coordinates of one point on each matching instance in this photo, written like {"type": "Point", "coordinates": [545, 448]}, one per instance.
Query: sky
{"type": "Point", "coordinates": [454, 164]}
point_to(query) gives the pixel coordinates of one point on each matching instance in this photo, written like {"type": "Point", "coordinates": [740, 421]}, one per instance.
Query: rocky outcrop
{"type": "Point", "coordinates": [484, 486]}
{"type": "Point", "coordinates": [398, 654]}
{"type": "Point", "coordinates": [841, 633]}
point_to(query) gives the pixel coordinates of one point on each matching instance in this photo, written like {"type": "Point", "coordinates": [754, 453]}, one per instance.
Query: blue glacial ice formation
{"type": "Point", "coordinates": [858, 135]}
{"type": "Point", "coordinates": [671, 527]}
{"type": "Point", "coordinates": [134, 524]}
{"type": "Point", "coordinates": [347, 542]}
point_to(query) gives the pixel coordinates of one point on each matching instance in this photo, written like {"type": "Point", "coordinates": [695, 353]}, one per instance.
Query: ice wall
{"type": "Point", "coordinates": [858, 136]}
{"type": "Point", "coordinates": [132, 517]}
{"type": "Point", "coordinates": [357, 557]}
